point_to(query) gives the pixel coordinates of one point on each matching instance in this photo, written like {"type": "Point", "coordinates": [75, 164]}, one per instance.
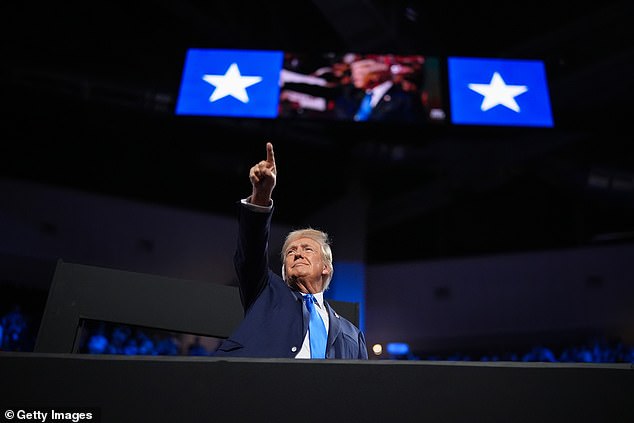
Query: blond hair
{"type": "Point", "coordinates": [318, 236]}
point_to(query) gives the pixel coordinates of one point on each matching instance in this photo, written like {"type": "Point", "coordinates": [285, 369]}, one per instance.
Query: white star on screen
{"type": "Point", "coordinates": [231, 83]}
{"type": "Point", "coordinates": [497, 92]}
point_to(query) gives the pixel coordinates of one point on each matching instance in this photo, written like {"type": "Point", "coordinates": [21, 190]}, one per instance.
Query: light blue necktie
{"type": "Point", "coordinates": [316, 329]}
{"type": "Point", "coordinates": [365, 109]}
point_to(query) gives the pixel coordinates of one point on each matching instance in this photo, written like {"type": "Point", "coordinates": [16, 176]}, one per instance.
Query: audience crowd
{"type": "Point", "coordinates": [17, 334]}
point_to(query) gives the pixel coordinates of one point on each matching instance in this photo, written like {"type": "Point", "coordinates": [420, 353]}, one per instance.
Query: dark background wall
{"type": "Point", "coordinates": [96, 168]}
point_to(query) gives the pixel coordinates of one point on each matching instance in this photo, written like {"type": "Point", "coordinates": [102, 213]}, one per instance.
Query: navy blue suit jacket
{"type": "Point", "coordinates": [396, 105]}
{"type": "Point", "coordinates": [276, 321]}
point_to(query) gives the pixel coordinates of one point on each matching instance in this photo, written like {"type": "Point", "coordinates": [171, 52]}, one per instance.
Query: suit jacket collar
{"type": "Point", "coordinates": [334, 330]}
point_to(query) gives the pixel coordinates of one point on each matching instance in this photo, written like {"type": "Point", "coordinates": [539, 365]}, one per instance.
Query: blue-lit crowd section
{"type": "Point", "coordinates": [18, 330]}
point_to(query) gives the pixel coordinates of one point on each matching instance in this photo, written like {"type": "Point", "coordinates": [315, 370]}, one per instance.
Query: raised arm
{"type": "Point", "coordinates": [251, 258]}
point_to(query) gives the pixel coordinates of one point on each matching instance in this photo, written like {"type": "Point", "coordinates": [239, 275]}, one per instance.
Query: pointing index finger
{"type": "Point", "coordinates": [270, 156]}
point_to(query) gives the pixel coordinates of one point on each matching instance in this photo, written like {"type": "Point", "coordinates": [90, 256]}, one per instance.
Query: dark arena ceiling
{"type": "Point", "coordinates": [89, 91]}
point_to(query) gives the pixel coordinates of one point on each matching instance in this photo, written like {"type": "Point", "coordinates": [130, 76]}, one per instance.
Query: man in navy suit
{"type": "Point", "coordinates": [276, 322]}
{"type": "Point", "coordinates": [373, 95]}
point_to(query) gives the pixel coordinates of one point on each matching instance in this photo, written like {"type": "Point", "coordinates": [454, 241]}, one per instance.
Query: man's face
{"type": "Point", "coordinates": [368, 73]}
{"type": "Point", "coordinates": [303, 260]}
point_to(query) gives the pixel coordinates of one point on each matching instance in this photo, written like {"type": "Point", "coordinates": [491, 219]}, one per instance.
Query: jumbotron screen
{"type": "Point", "coordinates": [407, 89]}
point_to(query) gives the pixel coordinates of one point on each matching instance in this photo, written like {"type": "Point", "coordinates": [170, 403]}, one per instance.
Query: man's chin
{"type": "Point", "coordinates": [296, 277]}
{"type": "Point", "coordinates": [294, 283]}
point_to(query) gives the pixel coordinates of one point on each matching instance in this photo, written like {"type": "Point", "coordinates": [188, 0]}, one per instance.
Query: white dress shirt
{"type": "Point", "coordinates": [379, 91]}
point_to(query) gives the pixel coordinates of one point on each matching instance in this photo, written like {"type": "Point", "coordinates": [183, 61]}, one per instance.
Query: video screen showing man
{"type": "Point", "coordinates": [358, 87]}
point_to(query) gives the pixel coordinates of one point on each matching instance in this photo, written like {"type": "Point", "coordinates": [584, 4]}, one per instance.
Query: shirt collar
{"type": "Point", "coordinates": [379, 91]}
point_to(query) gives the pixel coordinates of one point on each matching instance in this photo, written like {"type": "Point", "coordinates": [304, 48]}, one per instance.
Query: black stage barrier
{"type": "Point", "coordinates": [205, 389]}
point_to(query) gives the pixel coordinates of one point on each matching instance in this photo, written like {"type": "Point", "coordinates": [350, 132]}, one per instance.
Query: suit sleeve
{"type": "Point", "coordinates": [251, 257]}
{"type": "Point", "coordinates": [363, 349]}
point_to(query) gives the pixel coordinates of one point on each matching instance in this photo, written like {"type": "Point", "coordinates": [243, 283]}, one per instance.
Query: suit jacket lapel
{"type": "Point", "coordinates": [305, 317]}
{"type": "Point", "coordinates": [333, 331]}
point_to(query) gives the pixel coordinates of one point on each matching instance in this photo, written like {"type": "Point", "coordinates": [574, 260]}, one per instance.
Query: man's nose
{"type": "Point", "coordinates": [298, 254]}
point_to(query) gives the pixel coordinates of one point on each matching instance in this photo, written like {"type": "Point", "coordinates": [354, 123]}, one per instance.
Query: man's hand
{"type": "Point", "coordinates": [263, 176]}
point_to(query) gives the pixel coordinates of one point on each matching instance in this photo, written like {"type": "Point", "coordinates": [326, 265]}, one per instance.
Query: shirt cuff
{"type": "Point", "coordinates": [255, 207]}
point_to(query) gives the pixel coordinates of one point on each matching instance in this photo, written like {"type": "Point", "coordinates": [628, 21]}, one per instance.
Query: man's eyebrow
{"type": "Point", "coordinates": [296, 246]}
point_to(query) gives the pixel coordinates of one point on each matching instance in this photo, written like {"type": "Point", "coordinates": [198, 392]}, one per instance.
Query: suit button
{"type": "Point", "coordinates": [294, 349]}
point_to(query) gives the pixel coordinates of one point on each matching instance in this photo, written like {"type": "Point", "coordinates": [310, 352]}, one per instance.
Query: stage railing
{"type": "Point", "coordinates": [205, 389]}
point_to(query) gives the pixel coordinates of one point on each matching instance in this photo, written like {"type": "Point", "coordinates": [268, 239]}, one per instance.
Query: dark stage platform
{"type": "Point", "coordinates": [197, 389]}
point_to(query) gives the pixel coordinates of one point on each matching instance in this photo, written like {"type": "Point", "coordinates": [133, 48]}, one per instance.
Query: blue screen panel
{"type": "Point", "coordinates": [233, 83]}
{"type": "Point", "coordinates": [498, 92]}
{"type": "Point", "coordinates": [348, 284]}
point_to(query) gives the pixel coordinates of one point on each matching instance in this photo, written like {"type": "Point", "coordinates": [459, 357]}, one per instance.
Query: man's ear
{"type": "Point", "coordinates": [326, 270]}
